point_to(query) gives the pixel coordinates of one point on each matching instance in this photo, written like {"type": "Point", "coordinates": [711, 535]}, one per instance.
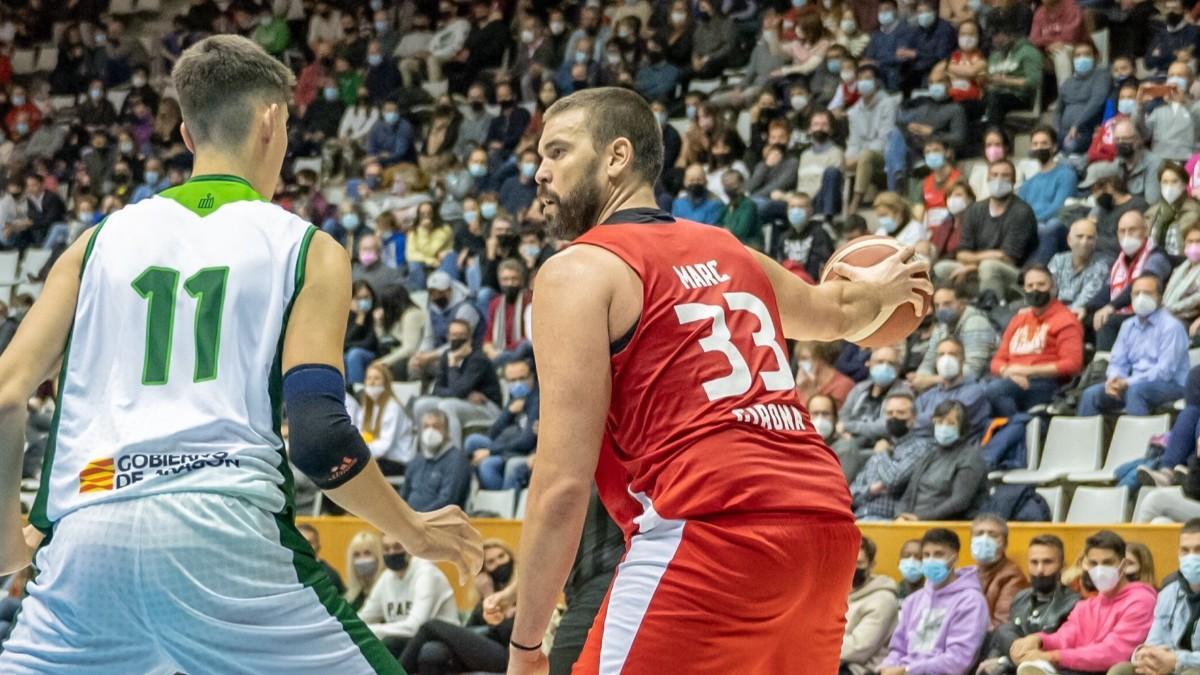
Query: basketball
{"type": "Point", "coordinates": [864, 252]}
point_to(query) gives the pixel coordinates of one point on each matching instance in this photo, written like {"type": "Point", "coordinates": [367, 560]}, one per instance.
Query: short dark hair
{"type": "Point", "coordinates": [943, 537]}
{"type": "Point", "coordinates": [466, 324]}
{"type": "Point", "coordinates": [1050, 541]}
{"type": "Point", "coordinates": [1048, 130]}
{"type": "Point", "coordinates": [615, 112]}
{"type": "Point", "coordinates": [1158, 284]}
{"type": "Point", "coordinates": [1036, 267]}
{"type": "Point", "coordinates": [867, 546]}
{"type": "Point", "coordinates": [1192, 526]}
{"type": "Point", "coordinates": [220, 80]}
{"type": "Point", "coordinates": [948, 406]}
{"type": "Point", "coordinates": [1105, 539]}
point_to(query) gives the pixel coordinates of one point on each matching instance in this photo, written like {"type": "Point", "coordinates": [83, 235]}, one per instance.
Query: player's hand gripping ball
{"type": "Point", "coordinates": [905, 283]}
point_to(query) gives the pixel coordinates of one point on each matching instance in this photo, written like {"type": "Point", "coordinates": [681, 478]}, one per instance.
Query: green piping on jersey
{"type": "Point", "coordinates": [308, 570]}
{"type": "Point", "coordinates": [203, 195]}
{"type": "Point", "coordinates": [37, 515]}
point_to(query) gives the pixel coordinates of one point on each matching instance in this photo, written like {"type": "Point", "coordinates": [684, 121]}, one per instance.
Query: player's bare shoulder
{"type": "Point", "coordinates": [593, 276]}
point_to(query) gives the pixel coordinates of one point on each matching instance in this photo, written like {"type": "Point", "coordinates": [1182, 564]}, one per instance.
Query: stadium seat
{"type": "Point", "coordinates": [681, 124]}
{"type": "Point", "coordinates": [1194, 357]}
{"type": "Point", "coordinates": [406, 391]}
{"type": "Point", "coordinates": [705, 86]}
{"type": "Point", "coordinates": [1054, 497]}
{"type": "Point", "coordinates": [8, 274]}
{"type": "Point", "coordinates": [420, 298]}
{"type": "Point", "coordinates": [47, 59]}
{"type": "Point", "coordinates": [521, 502]}
{"type": "Point", "coordinates": [1033, 448]}
{"type": "Point", "coordinates": [743, 125]}
{"type": "Point", "coordinates": [1098, 506]}
{"type": "Point", "coordinates": [500, 502]}
{"type": "Point", "coordinates": [120, 7]}
{"type": "Point", "coordinates": [33, 262]}
{"type": "Point", "coordinates": [310, 163]}
{"type": "Point", "coordinates": [149, 6]}
{"type": "Point", "coordinates": [1072, 444]}
{"type": "Point", "coordinates": [1128, 443]}
{"type": "Point", "coordinates": [1146, 492]}
{"type": "Point", "coordinates": [23, 61]}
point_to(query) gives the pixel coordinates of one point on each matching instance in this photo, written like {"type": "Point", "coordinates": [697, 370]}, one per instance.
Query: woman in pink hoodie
{"type": "Point", "coordinates": [1101, 631]}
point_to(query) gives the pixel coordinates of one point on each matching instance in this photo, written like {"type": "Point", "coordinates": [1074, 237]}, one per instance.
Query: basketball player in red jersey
{"type": "Point", "coordinates": [663, 373]}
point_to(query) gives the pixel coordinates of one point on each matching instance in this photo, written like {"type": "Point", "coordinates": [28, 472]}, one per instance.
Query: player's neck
{"type": "Point", "coordinates": [640, 197]}
{"type": "Point", "coordinates": [210, 164]}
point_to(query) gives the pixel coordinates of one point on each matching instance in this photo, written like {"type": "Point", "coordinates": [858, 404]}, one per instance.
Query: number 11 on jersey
{"type": "Point", "coordinates": [158, 286]}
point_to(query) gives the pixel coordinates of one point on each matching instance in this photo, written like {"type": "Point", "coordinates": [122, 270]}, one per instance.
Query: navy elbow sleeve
{"type": "Point", "coordinates": [325, 446]}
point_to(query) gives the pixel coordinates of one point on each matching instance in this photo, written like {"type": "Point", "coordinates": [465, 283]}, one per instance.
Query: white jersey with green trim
{"type": "Point", "coordinates": [171, 381]}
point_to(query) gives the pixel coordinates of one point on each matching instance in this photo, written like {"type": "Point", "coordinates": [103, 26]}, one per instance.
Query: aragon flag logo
{"type": "Point", "coordinates": [97, 476]}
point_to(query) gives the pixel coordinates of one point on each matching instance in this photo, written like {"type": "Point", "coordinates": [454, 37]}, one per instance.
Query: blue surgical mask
{"type": "Point", "coordinates": [95, 94]}
{"type": "Point", "coordinates": [331, 94]}
{"type": "Point", "coordinates": [18, 100]}
{"type": "Point", "coordinates": [866, 87]}
{"type": "Point", "coordinates": [528, 169]}
{"type": "Point", "coordinates": [381, 26]}
{"type": "Point", "coordinates": [151, 177]}
{"type": "Point", "coordinates": [488, 210]}
{"type": "Point", "coordinates": [883, 374]}
{"type": "Point", "coordinates": [984, 549]}
{"type": "Point", "coordinates": [937, 91]}
{"type": "Point", "coordinates": [797, 216]}
{"type": "Point", "coordinates": [581, 57]}
{"type": "Point", "coordinates": [1189, 567]}
{"type": "Point", "coordinates": [469, 217]}
{"type": "Point", "coordinates": [374, 59]}
{"type": "Point", "coordinates": [926, 19]}
{"type": "Point", "coordinates": [350, 221]}
{"type": "Point", "coordinates": [936, 571]}
{"type": "Point", "coordinates": [476, 170]}
{"type": "Point", "coordinates": [22, 128]}
{"type": "Point", "coordinates": [887, 224]}
{"type": "Point", "coordinates": [910, 569]}
{"type": "Point", "coordinates": [531, 250]}
{"type": "Point", "coordinates": [1127, 107]}
{"type": "Point", "coordinates": [1179, 83]}
{"type": "Point", "coordinates": [935, 160]}
{"type": "Point", "coordinates": [799, 3]}
{"type": "Point", "coordinates": [887, 17]}
{"type": "Point", "coordinates": [946, 315]}
{"type": "Point", "coordinates": [834, 66]}
{"type": "Point", "coordinates": [391, 117]}
{"type": "Point", "coordinates": [519, 389]}
{"type": "Point", "coordinates": [1084, 65]}
{"type": "Point", "coordinates": [363, 304]}
{"type": "Point", "coordinates": [691, 112]}
{"type": "Point", "coordinates": [945, 434]}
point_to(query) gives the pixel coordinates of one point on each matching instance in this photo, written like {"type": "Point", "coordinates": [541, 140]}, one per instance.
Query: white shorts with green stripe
{"type": "Point", "coordinates": [187, 582]}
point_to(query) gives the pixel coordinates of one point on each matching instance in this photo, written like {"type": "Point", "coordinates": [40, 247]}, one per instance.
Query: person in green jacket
{"type": "Point", "coordinates": [272, 34]}
{"type": "Point", "coordinates": [740, 215]}
{"type": "Point", "coordinates": [1014, 73]}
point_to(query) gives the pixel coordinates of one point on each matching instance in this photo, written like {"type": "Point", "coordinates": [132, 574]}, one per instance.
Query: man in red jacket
{"type": "Point", "coordinates": [1041, 348]}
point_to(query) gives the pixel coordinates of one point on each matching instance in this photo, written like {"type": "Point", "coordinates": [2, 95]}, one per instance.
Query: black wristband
{"type": "Point", "coordinates": [535, 648]}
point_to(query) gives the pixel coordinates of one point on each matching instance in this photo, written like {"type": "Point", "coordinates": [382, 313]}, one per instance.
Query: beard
{"type": "Point", "coordinates": [576, 212]}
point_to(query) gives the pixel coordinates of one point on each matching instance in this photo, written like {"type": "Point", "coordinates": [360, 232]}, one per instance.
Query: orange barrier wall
{"type": "Point", "coordinates": [1163, 540]}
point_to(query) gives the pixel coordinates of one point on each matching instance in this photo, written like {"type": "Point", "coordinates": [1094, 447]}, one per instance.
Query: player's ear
{"type": "Point", "coordinates": [620, 153]}
{"type": "Point", "coordinates": [269, 121]}
{"type": "Point", "coordinates": [187, 138]}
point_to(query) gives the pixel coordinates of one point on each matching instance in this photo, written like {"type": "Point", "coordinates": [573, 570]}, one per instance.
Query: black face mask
{"type": "Point", "coordinates": [704, 16]}
{"type": "Point", "coordinates": [1037, 299]}
{"type": "Point", "coordinates": [511, 293]}
{"type": "Point", "coordinates": [860, 577]}
{"type": "Point", "coordinates": [1105, 201]}
{"type": "Point", "coordinates": [1042, 155]}
{"type": "Point", "coordinates": [456, 343]}
{"type": "Point", "coordinates": [441, 301]}
{"type": "Point", "coordinates": [1047, 583]}
{"type": "Point", "coordinates": [1126, 150]}
{"type": "Point", "coordinates": [697, 190]}
{"type": "Point", "coordinates": [821, 136]}
{"type": "Point", "coordinates": [720, 159]}
{"type": "Point", "coordinates": [896, 427]}
{"type": "Point", "coordinates": [506, 104]}
{"type": "Point", "coordinates": [396, 562]}
{"type": "Point", "coordinates": [1173, 18]}
{"type": "Point", "coordinates": [477, 106]}
{"type": "Point", "coordinates": [502, 574]}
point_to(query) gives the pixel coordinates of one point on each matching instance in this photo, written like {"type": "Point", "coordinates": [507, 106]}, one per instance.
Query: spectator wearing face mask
{"type": "Point", "coordinates": [1103, 630]}
{"type": "Point", "coordinates": [939, 158]}
{"type": "Point", "coordinates": [966, 67]}
{"type": "Point", "coordinates": [998, 236]}
{"type": "Point", "coordinates": [871, 618]}
{"type": "Point", "coordinates": [1172, 125]}
{"type": "Point", "coordinates": [506, 128]}
{"type": "Point", "coordinates": [656, 79]}
{"type": "Point", "coordinates": [506, 335]}
{"type": "Point", "coordinates": [320, 120]}
{"type": "Point", "coordinates": [1014, 69]}
{"type": "Point", "coordinates": [409, 593]}
{"type": "Point", "coordinates": [1139, 256]}
{"type": "Point", "coordinates": [713, 42]}
{"type": "Point", "coordinates": [999, 576]}
{"type": "Point", "coordinates": [154, 180]}
{"type": "Point", "coordinates": [820, 170]}
{"type": "Point", "coordinates": [805, 245]}
{"type": "Point", "coordinates": [370, 266]}
{"type": "Point", "coordinates": [465, 386]}
{"type": "Point", "coordinates": [942, 625]}
{"type": "Point", "coordinates": [95, 110]}
{"type": "Point", "coordinates": [440, 473]}
{"type": "Point", "coordinates": [740, 214]}
{"type": "Point", "coordinates": [955, 386]}
{"type": "Point", "coordinates": [1041, 349]}
{"type": "Point", "coordinates": [815, 373]}
{"type": "Point", "coordinates": [383, 423]}
{"type": "Point", "coordinates": [1112, 200]}
{"type": "Point", "coordinates": [428, 246]}
{"type": "Point", "coordinates": [889, 465]}
{"type": "Point", "coordinates": [473, 129]}
{"type": "Point", "coordinates": [1122, 105]}
{"type": "Point", "coordinates": [948, 483]}
{"type": "Point", "coordinates": [448, 301]}
{"type": "Point", "coordinates": [1173, 35]}
{"type": "Point", "coordinates": [1057, 25]}
{"type": "Point", "coordinates": [518, 192]}
{"type": "Point", "coordinates": [21, 110]}
{"type": "Point", "coordinates": [1149, 361]}
{"type": "Point", "coordinates": [1175, 213]}
{"type": "Point", "coordinates": [945, 235]}
{"type": "Point", "coordinates": [1044, 606]}
{"type": "Point", "coordinates": [1080, 274]}
{"type": "Point", "coordinates": [887, 46]}
{"type": "Point", "coordinates": [927, 40]}
{"type": "Point", "coordinates": [911, 578]}
{"type": "Point", "coordinates": [871, 120]}
{"type": "Point", "coordinates": [364, 565]}
{"type": "Point", "coordinates": [391, 139]}
{"type": "Point", "coordinates": [504, 456]}
{"type": "Point", "coordinates": [772, 178]}
{"type": "Point", "coordinates": [697, 203]}
{"type": "Point", "coordinates": [1138, 165]}
{"type": "Point", "coordinates": [1182, 297]}
{"type": "Point", "coordinates": [822, 410]}
{"type": "Point", "coordinates": [956, 318]}
{"type": "Point", "coordinates": [1046, 191]}
{"type": "Point", "coordinates": [863, 420]}
{"type": "Point", "coordinates": [361, 343]}
{"type": "Point", "coordinates": [1082, 98]}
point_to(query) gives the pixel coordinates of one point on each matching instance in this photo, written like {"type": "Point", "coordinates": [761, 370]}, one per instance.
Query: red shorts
{"type": "Point", "coordinates": [747, 594]}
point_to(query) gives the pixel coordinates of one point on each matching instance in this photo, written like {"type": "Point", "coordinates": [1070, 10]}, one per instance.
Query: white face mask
{"type": "Point", "coordinates": [967, 42]}
{"type": "Point", "coordinates": [1000, 188]}
{"type": "Point", "coordinates": [1131, 245]}
{"type": "Point", "coordinates": [374, 391]}
{"type": "Point", "coordinates": [431, 439]}
{"type": "Point", "coordinates": [1144, 304]}
{"type": "Point", "coordinates": [948, 367]}
{"type": "Point", "coordinates": [823, 425]}
{"type": "Point", "coordinates": [1172, 192]}
{"type": "Point", "coordinates": [957, 204]}
{"type": "Point", "coordinates": [1104, 577]}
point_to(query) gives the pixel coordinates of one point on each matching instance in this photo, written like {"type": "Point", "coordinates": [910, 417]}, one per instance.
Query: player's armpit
{"type": "Point", "coordinates": [571, 335]}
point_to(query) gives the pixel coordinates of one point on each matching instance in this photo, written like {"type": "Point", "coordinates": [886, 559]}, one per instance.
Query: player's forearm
{"type": "Point", "coordinates": [853, 306]}
{"type": "Point", "coordinates": [549, 539]}
{"type": "Point", "coordinates": [14, 552]}
{"type": "Point", "coordinates": [370, 497]}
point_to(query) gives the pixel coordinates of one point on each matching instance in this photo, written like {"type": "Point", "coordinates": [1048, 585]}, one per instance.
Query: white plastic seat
{"type": "Point", "coordinates": [1055, 498]}
{"type": "Point", "coordinates": [149, 6]}
{"type": "Point", "coordinates": [47, 59]}
{"type": "Point", "coordinates": [33, 262]}
{"type": "Point", "coordinates": [1033, 447]}
{"type": "Point", "coordinates": [120, 7]}
{"type": "Point", "coordinates": [1072, 444]}
{"type": "Point", "coordinates": [1129, 442]}
{"type": "Point", "coordinates": [705, 86]}
{"type": "Point", "coordinates": [1146, 492]}
{"type": "Point", "coordinates": [24, 61]}
{"type": "Point", "coordinates": [521, 503]}
{"type": "Point", "coordinates": [1098, 506]}
{"type": "Point", "coordinates": [742, 126]}
{"type": "Point", "coordinates": [501, 502]}
{"type": "Point", "coordinates": [8, 274]}
{"type": "Point", "coordinates": [406, 391]}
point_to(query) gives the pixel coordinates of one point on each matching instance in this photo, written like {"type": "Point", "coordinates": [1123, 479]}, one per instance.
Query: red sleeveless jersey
{"type": "Point", "coordinates": [704, 418]}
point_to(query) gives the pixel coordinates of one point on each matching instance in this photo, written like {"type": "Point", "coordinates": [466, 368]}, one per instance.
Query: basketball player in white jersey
{"type": "Point", "coordinates": [165, 539]}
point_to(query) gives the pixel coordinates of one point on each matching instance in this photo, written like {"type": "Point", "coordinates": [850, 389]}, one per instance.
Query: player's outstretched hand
{"type": "Point", "coordinates": [897, 278]}
{"type": "Point", "coordinates": [521, 662]}
{"type": "Point", "coordinates": [449, 536]}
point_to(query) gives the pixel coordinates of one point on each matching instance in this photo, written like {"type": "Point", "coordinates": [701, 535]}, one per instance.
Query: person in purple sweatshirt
{"type": "Point", "coordinates": [943, 624]}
